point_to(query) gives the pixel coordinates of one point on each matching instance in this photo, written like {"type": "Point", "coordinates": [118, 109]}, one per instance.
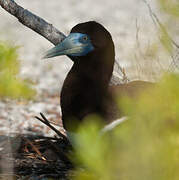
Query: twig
{"type": "Point", "coordinates": [156, 21]}
{"type": "Point", "coordinates": [137, 34]}
{"type": "Point", "coordinates": [9, 174]}
{"type": "Point", "coordinates": [175, 58]}
{"type": "Point", "coordinates": [44, 120]}
{"type": "Point", "coordinates": [122, 70]}
{"type": "Point", "coordinates": [35, 149]}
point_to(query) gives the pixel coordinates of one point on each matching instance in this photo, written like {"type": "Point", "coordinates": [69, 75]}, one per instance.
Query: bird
{"type": "Point", "coordinates": [86, 88]}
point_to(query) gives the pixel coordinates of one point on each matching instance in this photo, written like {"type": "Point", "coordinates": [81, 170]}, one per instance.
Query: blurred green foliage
{"type": "Point", "coordinates": [165, 39]}
{"type": "Point", "coordinates": [146, 146]}
{"type": "Point", "coordinates": [170, 6]}
{"type": "Point", "coordinates": [171, 9]}
{"type": "Point", "coordinates": [11, 85]}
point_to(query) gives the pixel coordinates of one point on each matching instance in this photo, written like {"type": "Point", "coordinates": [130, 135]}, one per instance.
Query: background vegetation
{"type": "Point", "coordinates": [11, 85]}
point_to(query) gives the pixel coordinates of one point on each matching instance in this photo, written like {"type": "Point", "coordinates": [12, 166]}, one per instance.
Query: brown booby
{"type": "Point", "coordinates": [86, 88]}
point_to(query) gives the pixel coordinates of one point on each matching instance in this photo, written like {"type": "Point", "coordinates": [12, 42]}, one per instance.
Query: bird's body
{"type": "Point", "coordinates": [86, 88]}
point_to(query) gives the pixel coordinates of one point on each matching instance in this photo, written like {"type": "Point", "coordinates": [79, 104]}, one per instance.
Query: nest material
{"type": "Point", "coordinates": [35, 157]}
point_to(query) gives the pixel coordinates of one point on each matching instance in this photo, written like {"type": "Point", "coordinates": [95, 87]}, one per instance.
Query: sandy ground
{"type": "Point", "coordinates": [118, 16]}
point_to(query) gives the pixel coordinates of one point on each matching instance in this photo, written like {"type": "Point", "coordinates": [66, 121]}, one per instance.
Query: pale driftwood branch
{"type": "Point", "coordinates": [33, 21]}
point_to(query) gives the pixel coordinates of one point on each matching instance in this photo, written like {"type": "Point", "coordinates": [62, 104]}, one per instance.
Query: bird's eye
{"type": "Point", "coordinates": [85, 38]}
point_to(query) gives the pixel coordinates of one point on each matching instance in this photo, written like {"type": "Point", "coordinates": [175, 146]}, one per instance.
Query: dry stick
{"type": "Point", "coordinates": [122, 70]}
{"type": "Point", "coordinates": [46, 122]}
{"type": "Point", "coordinates": [156, 21]}
{"type": "Point", "coordinates": [9, 174]}
{"type": "Point", "coordinates": [35, 149]}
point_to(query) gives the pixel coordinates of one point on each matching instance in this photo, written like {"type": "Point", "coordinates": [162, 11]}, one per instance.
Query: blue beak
{"type": "Point", "coordinates": [76, 44]}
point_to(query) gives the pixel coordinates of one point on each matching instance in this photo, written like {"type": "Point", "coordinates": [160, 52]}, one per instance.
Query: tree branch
{"type": "Point", "coordinates": [33, 21]}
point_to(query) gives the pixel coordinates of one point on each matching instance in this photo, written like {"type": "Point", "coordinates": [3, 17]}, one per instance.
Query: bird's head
{"type": "Point", "coordinates": [84, 39]}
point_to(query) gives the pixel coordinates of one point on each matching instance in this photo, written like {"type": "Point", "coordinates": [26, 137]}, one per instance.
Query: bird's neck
{"type": "Point", "coordinates": [95, 69]}
{"type": "Point", "coordinates": [85, 89]}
